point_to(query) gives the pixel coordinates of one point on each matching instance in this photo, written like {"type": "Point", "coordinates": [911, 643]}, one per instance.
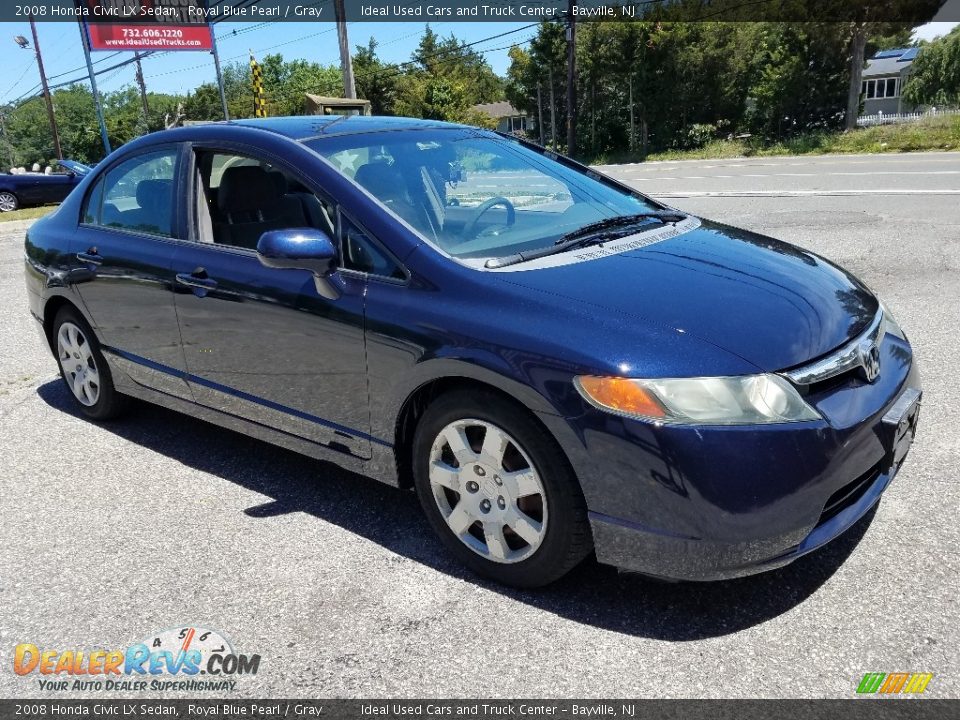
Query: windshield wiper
{"type": "Point", "coordinates": [593, 234]}
{"type": "Point", "coordinates": [667, 216]}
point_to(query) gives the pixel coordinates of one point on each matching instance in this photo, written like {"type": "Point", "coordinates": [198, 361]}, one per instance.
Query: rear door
{"type": "Point", "coordinates": [122, 255]}
{"type": "Point", "coordinates": [261, 343]}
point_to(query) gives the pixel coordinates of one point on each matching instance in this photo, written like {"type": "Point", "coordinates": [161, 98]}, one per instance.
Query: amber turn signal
{"type": "Point", "coordinates": [621, 395]}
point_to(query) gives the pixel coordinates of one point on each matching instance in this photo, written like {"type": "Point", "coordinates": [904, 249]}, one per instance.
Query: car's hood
{"type": "Point", "coordinates": [772, 304]}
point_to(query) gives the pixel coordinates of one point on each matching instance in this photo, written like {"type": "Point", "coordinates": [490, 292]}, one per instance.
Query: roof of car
{"type": "Point", "coordinates": [315, 126]}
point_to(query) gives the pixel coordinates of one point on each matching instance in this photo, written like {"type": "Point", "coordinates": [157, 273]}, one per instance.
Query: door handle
{"type": "Point", "coordinates": [90, 257]}
{"type": "Point", "coordinates": [197, 280]}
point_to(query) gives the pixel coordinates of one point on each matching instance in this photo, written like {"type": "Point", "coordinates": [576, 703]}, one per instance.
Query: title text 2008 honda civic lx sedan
{"type": "Point", "coordinates": [555, 362]}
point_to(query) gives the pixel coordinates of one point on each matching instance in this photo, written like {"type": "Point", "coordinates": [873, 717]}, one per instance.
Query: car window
{"type": "Point", "coordinates": [91, 208]}
{"type": "Point", "coordinates": [136, 195]}
{"type": "Point", "coordinates": [363, 254]}
{"type": "Point", "coordinates": [243, 197]}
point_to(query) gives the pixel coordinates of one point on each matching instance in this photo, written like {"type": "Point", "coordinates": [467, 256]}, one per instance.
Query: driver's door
{"type": "Point", "coordinates": [261, 343]}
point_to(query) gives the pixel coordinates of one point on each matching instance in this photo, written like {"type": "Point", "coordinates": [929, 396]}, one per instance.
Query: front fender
{"type": "Point", "coordinates": [388, 402]}
{"type": "Point", "coordinates": [483, 367]}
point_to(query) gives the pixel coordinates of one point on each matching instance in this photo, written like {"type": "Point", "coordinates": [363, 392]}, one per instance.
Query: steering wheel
{"type": "Point", "coordinates": [470, 227]}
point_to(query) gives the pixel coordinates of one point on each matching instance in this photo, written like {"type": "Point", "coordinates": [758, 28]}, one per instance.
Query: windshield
{"type": "Point", "coordinates": [475, 194]}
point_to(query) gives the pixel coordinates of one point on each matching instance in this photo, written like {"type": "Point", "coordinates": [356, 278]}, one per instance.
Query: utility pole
{"type": "Point", "coordinates": [553, 110]}
{"type": "Point", "coordinates": [143, 94]}
{"type": "Point", "coordinates": [85, 40]}
{"type": "Point", "coordinates": [571, 78]}
{"type": "Point", "coordinates": [216, 65]}
{"type": "Point", "coordinates": [23, 43]}
{"type": "Point", "coordinates": [346, 62]}
{"type": "Point", "coordinates": [540, 114]}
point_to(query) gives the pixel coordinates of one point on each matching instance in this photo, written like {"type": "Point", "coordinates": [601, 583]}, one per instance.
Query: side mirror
{"type": "Point", "coordinates": [297, 249]}
{"type": "Point", "coordinates": [300, 249]}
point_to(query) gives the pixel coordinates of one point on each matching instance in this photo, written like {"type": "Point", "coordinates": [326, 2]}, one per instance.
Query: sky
{"type": "Point", "coordinates": [180, 72]}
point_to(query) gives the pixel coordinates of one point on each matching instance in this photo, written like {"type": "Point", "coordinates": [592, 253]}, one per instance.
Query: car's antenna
{"type": "Point", "coordinates": [331, 124]}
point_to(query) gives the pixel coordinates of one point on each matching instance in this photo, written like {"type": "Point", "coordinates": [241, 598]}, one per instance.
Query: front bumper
{"type": "Point", "coordinates": [631, 547]}
{"type": "Point", "coordinates": [698, 503]}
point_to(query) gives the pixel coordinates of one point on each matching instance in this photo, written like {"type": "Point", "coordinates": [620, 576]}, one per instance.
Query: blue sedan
{"type": "Point", "coordinates": [556, 363]}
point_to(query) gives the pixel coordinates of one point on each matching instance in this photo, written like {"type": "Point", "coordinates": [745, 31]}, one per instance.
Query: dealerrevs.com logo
{"type": "Point", "coordinates": [188, 659]}
{"type": "Point", "coordinates": [894, 683]}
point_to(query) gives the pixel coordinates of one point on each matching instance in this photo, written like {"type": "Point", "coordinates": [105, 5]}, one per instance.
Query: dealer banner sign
{"type": "Point", "coordinates": [146, 24]}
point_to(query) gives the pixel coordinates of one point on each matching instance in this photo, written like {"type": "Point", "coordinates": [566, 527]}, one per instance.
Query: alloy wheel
{"type": "Point", "coordinates": [488, 491]}
{"type": "Point", "coordinates": [78, 363]}
{"type": "Point", "coordinates": [8, 202]}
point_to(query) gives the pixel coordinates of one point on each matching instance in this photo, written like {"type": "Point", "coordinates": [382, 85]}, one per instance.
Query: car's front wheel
{"type": "Point", "coordinates": [83, 367]}
{"type": "Point", "coordinates": [8, 202]}
{"type": "Point", "coordinates": [497, 490]}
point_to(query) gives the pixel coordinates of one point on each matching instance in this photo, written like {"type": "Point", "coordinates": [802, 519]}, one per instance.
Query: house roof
{"type": "Point", "coordinates": [890, 62]}
{"type": "Point", "coordinates": [498, 110]}
{"type": "Point", "coordinates": [323, 100]}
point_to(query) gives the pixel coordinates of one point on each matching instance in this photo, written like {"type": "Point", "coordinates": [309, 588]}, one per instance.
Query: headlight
{"type": "Point", "coordinates": [741, 400]}
{"type": "Point", "coordinates": [890, 324]}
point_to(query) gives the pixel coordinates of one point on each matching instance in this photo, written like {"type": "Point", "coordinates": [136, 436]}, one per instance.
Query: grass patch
{"type": "Point", "coordinates": [929, 134]}
{"type": "Point", "coordinates": [30, 213]}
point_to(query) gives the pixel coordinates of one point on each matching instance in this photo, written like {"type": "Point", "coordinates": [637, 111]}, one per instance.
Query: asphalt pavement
{"type": "Point", "coordinates": [114, 532]}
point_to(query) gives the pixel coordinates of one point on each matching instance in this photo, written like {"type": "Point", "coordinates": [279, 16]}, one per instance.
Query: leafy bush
{"type": "Point", "coordinates": [695, 136]}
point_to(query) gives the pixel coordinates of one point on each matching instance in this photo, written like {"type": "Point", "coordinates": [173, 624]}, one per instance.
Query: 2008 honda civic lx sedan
{"type": "Point", "coordinates": [557, 363]}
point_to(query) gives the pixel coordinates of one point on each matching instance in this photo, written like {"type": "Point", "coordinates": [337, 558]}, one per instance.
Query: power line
{"type": "Point", "coordinates": [74, 81]}
{"type": "Point", "coordinates": [243, 55]}
{"type": "Point", "coordinates": [398, 69]}
{"type": "Point", "coordinates": [388, 71]}
{"type": "Point", "coordinates": [27, 69]}
{"type": "Point", "coordinates": [245, 3]}
{"type": "Point", "coordinates": [250, 28]}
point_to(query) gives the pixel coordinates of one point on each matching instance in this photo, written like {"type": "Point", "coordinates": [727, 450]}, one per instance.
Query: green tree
{"type": "Point", "coordinates": [375, 80]}
{"type": "Point", "coordinates": [935, 77]}
{"type": "Point", "coordinates": [802, 80]}
{"type": "Point", "coordinates": [286, 83]}
{"type": "Point", "coordinates": [203, 103]}
{"type": "Point", "coordinates": [444, 79]}
{"type": "Point", "coordinates": [548, 71]}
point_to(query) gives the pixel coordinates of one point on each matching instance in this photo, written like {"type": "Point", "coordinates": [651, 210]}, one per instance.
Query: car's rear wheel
{"type": "Point", "coordinates": [8, 202]}
{"type": "Point", "coordinates": [497, 490]}
{"type": "Point", "coordinates": [83, 367]}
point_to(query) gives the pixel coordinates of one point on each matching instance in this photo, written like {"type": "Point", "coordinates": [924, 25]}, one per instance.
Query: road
{"type": "Point", "coordinates": [114, 532]}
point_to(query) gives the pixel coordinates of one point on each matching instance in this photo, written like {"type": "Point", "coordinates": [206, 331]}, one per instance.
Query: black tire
{"type": "Point", "coordinates": [566, 538]}
{"type": "Point", "coordinates": [13, 203]}
{"type": "Point", "coordinates": [109, 403]}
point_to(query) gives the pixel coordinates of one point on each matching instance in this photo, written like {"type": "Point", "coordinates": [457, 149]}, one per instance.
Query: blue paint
{"type": "Point", "coordinates": [243, 396]}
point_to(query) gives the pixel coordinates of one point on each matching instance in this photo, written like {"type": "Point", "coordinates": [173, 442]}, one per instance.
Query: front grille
{"type": "Point", "coordinates": [849, 378]}
{"type": "Point", "coordinates": [842, 361]}
{"type": "Point", "coordinates": [848, 495]}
